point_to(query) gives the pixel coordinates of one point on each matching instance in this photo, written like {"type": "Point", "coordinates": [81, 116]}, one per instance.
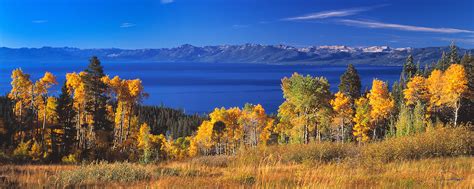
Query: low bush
{"type": "Point", "coordinates": [69, 159]}
{"type": "Point", "coordinates": [104, 172]}
{"type": "Point", "coordinates": [213, 161]}
{"type": "Point", "coordinates": [437, 142]}
{"type": "Point", "coordinates": [4, 158]}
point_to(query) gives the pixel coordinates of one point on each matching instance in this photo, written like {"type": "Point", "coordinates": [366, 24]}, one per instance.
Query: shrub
{"type": "Point", "coordinates": [4, 158]}
{"type": "Point", "coordinates": [21, 152]}
{"type": "Point", "coordinates": [69, 159]}
{"type": "Point", "coordinates": [213, 161]}
{"type": "Point", "coordinates": [438, 142]}
{"type": "Point", "coordinates": [297, 153]}
{"type": "Point", "coordinates": [103, 172]}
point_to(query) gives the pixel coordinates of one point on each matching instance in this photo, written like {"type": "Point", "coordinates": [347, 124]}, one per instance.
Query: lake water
{"type": "Point", "coordinates": [200, 87]}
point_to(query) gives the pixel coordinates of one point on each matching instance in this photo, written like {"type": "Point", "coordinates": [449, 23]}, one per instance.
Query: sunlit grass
{"type": "Point", "coordinates": [439, 158]}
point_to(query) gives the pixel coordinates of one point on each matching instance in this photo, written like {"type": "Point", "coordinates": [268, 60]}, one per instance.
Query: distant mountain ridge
{"type": "Point", "coordinates": [247, 53]}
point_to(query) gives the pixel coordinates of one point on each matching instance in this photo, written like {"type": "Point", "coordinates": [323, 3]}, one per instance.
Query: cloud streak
{"type": "Point", "coordinates": [374, 24]}
{"type": "Point", "coordinates": [127, 25]}
{"type": "Point", "coordinates": [331, 13]}
{"type": "Point", "coordinates": [39, 21]}
{"type": "Point", "coordinates": [466, 40]}
{"type": "Point", "coordinates": [166, 1]}
{"type": "Point", "coordinates": [239, 26]}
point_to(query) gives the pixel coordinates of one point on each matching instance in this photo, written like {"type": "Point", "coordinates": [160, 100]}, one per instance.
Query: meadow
{"type": "Point", "coordinates": [438, 158]}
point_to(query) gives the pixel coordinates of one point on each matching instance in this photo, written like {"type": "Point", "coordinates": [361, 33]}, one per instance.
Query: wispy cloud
{"type": "Point", "coordinates": [166, 1]}
{"type": "Point", "coordinates": [39, 21]}
{"type": "Point", "coordinates": [127, 25]}
{"type": "Point", "coordinates": [332, 13]}
{"type": "Point", "coordinates": [374, 24]}
{"type": "Point", "coordinates": [466, 40]}
{"type": "Point", "coordinates": [239, 26]}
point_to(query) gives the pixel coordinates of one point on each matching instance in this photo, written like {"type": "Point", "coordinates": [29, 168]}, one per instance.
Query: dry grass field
{"type": "Point", "coordinates": [220, 172]}
{"type": "Point", "coordinates": [439, 158]}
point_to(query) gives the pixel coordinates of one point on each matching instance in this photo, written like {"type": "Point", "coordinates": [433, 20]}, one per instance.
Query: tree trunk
{"type": "Point", "coordinates": [129, 121]}
{"type": "Point", "coordinates": [456, 110]}
{"type": "Point", "coordinates": [121, 123]}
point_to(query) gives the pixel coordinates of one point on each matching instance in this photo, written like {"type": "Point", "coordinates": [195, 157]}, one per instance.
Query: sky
{"type": "Point", "coordinates": [132, 24]}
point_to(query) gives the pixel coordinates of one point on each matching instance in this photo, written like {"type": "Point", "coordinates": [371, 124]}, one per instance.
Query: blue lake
{"type": "Point", "coordinates": [200, 87]}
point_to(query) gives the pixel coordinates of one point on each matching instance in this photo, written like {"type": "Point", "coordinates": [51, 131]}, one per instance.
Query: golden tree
{"type": "Point", "coordinates": [417, 90]}
{"type": "Point", "coordinates": [76, 87]}
{"type": "Point", "coordinates": [203, 139]}
{"type": "Point", "coordinates": [362, 120]}
{"type": "Point", "coordinates": [342, 106]}
{"type": "Point", "coordinates": [128, 93]}
{"type": "Point", "coordinates": [256, 124]}
{"type": "Point", "coordinates": [41, 89]}
{"type": "Point", "coordinates": [454, 86]}
{"type": "Point", "coordinates": [380, 102]}
{"type": "Point", "coordinates": [21, 94]}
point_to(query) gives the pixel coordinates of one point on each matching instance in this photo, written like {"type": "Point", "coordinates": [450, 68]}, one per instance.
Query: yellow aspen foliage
{"type": "Point", "coordinates": [143, 137]}
{"type": "Point", "coordinates": [417, 90]}
{"type": "Point", "coordinates": [288, 119]}
{"type": "Point", "coordinates": [35, 151]}
{"type": "Point", "coordinates": [341, 104]}
{"type": "Point", "coordinates": [204, 138]}
{"type": "Point", "coordinates": [435, 88]}
{"type": "Point", "coordinates": [76, 88]}
{"type": "Point", "coordinates": [381, 104]}
{"type": "Point", "coordinates": [256, 125]}
{"type": "Point", "coordinates": [21, 91]}
{"type": "Point", "coordinates": [51, 111]}
{"type": "Point", "coordinates": [44, 83]}
{"type": "Point", "coordinates": [380, 101]}
{"type": "Point", "coordinates": [362, 120]}
{"type": "Point", "coordinates": [454, 87]}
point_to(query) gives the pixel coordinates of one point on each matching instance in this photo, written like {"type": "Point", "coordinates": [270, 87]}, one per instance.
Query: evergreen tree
{"type": "Point", "coordinates": [66, 115]}
{"type": "Point", "coordinates": [467, 110]}
{"type": "Point", "coordinates": [350, 83]}
{"type": "Point", "coordinates": [453, 54]}
{"type": "Point", "coordinates": [409, 68]}
{"type": "Point", "coordinates": [443, 63]}
{"type": "Point", "coordinates": [96, 98]}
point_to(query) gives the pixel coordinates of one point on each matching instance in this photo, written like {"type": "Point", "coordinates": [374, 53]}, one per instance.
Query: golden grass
{"type": "Point", "coordinates": [428, 173]}
{"type": "Point", "coordinates": [440, 158]}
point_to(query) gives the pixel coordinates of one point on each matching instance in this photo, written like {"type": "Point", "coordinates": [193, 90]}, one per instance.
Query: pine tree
{"type": "Point", "coordinates": [96, 98]}
{"type": "Point", "coordinates": [467, 110]}
{"type": "Point", "coordinates": [453, 54]}
{"type": "Point", "coordinates": [350, 83]}
{"type": "Point", "coordinates": [66, 119]}
{"type": "Point", "coordinates": [409, 68]}
{"type": "Point", "coordinates": [443, 63]}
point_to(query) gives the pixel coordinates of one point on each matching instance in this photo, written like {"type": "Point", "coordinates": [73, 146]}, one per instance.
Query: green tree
{"type": "Point", "coordinates": [308, 95]}
{"type": "Point", "coordinates": [404, 124]}
{"type": "Point", "coordinates": [66, 119]}
{"type": "Point", "coordinates": [453, 54]}
{"type": "Point", "coordinates": [467, 110]}
{"type": "Point", "coordinates": [350, 83]}
{"type": "Point", "coordinates": [409, 68]}
{"type": "Point", "coordinates": [419, 117]}
{"type": "Point", "coordinates": [99, 132]}
{"type": "Point", "coordinates": [96, 98]}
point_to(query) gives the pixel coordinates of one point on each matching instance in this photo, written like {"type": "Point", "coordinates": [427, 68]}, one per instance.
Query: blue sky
{"type": "Point", "coordinates": [170, 23]}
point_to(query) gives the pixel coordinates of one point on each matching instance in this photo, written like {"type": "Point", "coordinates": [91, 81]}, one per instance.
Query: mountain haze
{"type": "Point", "coordinates": [247, 53]}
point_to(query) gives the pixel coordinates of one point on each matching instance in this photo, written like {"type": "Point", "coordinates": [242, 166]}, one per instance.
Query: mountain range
{"type": "Point", "coordinates": [247, 53]}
